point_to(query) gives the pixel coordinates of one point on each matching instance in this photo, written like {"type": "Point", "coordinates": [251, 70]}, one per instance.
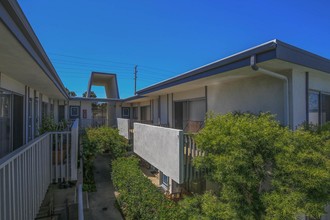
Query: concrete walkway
{"type": "Point", "coordinates": [102, 202]}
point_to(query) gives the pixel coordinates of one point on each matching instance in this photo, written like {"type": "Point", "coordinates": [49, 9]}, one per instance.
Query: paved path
{"type": "Point", "coordinates": [102, 202]}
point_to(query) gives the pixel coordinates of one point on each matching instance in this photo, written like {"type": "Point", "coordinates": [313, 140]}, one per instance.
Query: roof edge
{"type": "Point", "coordinates": [270, 45]}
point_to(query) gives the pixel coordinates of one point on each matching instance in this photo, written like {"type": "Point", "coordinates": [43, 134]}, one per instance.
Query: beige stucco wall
{"type": "Point", "coordinates": [262, 93]}
{"type": "Point", "coordinates": [298, 98]}
{"type": "Point", "coordinates": [12, 85]}
{"type": "Point", "coordinates": [189, 94]}
{"type": "Point", "coordinates": [86, 105]}
{"type": "Point", "coordinates": [319, 81]}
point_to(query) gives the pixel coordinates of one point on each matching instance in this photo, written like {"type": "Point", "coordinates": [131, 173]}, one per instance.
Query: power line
{"type": "Point", "coordinates": [85, 58]}
{"type": "Point", "coordinates": [111, 61]}
{"type": "Point", "coordinates": [88, 64]}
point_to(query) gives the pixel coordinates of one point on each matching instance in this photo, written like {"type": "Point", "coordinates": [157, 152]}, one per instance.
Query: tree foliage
{"type": "Point", "coordinates": [265, 170]}
{"type": "Point", "coordinates": [49, 124]}
{"type": "Point", "coordinates": [92, 94]}
{"type": "Point", "coordinates": [70, 93]}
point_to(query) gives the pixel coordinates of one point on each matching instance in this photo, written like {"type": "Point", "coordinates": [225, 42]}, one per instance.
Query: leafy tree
{"type": "Point", "coordinates": [205, 206]}
{"type": "Point", "coordinates": [264, 170]}
{"type": "Point", "coordinates": [70, 93]}
{"type": "Point", "coordinates": [49, 124]}
{"type": "Point", "coordinates": [92, 94]}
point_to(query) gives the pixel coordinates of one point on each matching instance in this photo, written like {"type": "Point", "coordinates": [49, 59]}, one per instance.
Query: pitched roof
{"type": "Point", "coordinates": [274, 49]}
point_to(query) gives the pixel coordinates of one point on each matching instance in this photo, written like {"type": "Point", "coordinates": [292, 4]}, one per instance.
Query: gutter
{"type": "Point", "coordinates": [253, 64]}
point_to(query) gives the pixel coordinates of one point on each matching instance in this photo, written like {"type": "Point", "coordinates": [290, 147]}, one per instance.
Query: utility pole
{"type": "Point", "coordinates": [135, 77]}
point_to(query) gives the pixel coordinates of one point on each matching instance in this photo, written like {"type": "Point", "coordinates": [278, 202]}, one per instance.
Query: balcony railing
{"type": "Point", "coordinates": [190, 151]}
{"type": "Point", "coordinates": [26, 173]}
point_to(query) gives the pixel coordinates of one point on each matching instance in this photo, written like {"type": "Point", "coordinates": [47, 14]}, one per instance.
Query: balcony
{"type": "Point", "coordinates": [26, 173]}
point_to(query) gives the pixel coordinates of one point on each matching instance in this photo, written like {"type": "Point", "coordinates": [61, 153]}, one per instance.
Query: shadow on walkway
{"type": "Point", "coordinates": [102, 202]}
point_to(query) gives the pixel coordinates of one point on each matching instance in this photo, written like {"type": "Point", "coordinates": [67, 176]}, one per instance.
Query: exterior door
{"type": "Point", "coordinates": [178, 115]}
{"type": "Point", "coordinates": [17, 121]}
{"type": "Point", "coordinates": [36, 116]}
{"type": "Point", "coordinates": [5, 116]}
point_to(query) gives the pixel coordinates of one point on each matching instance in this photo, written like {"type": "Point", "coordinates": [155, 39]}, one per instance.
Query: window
{"type": "Point", "coordinates": [5, 121]}
{"type": "Point", "coordinates": [74, 112]}
{"type": "Point", "coordinates": [313, 107]}
{"type": "Point", "coordinates": [325, 113]}
{"type": "Point", "coordinates": [135, 112]}
{"type": "Point", "coordinates": [11, 122]}
{"type": "Point", "coordinates": [125, 112]}
{"type": "Point", "coordinates": [165, 180]}
{"type": "Point", "coordinates": [318, 107]}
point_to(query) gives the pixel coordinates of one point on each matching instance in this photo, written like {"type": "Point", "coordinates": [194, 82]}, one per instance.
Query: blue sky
{"type": "Point", "coordinates": [166, 38]}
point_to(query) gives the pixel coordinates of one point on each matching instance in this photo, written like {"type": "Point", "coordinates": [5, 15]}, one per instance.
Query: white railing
{"type": "Point", "coordinates": [190, 151]}
{"type": "Point", "coordinates": [26, 173]}
{"type": "Point", "coordinates": [74, 149]}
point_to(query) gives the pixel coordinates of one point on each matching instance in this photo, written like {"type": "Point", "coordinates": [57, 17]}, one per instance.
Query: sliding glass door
{"type": "Point", "coordinates": [17, 121]}
{"type": "Point", "coordinates": [5, 123]}
{"type": "Point", "coordinates": [11, 122]}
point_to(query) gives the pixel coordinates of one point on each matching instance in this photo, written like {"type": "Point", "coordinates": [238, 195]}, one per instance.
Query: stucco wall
{"type": "Point", "coordinates": [161, 147]}
{"type": "Point", "coordinates": [86, 105]}
{"type": "Point", "coordinates": [12, 85]}
{"type": "Point", "coordinates": [320, 82]}
{"type": "Point", "coordinates": [123, 126]}
{"type": "Point", "coordinates": [256, 94]}
{"type": "Point", "coordinates": [190, 94]}
{"type": "Point", "coordinates": [298, 103]}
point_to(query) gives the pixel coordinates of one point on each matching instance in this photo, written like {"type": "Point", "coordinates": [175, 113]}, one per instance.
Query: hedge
{"type": "Point", "coordinates": [138, 197]}
{"type": "Point", "coordinates": [99, 140]}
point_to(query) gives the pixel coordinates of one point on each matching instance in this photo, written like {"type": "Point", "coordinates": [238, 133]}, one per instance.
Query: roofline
{"type": "Point", "coordinates": [274, 49]}
{"type": "Point", "coordinates": [228, 63]}
{"type": "Point", "coordinates": [133, 98]}
{"type": "Point", "coordinates": [75, 98]}
{"type": "Point", "coordinates": [14, 19]}
{"type": "Point", "coordinates": [292, 54]}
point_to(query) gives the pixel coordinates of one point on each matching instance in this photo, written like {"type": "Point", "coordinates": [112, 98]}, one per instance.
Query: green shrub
{"type": "Point", "coordinates": [139, 198]}
{"type": "Point", "coordinates": [107, 139]}
{"type": "Point", "coordinates": [265, 170]}
{"type": "Point", "coordinates": [49, 124]}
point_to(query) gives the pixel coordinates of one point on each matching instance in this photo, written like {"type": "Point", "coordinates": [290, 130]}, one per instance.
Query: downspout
{"type": "Point", "coordinates": [253, 64]}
